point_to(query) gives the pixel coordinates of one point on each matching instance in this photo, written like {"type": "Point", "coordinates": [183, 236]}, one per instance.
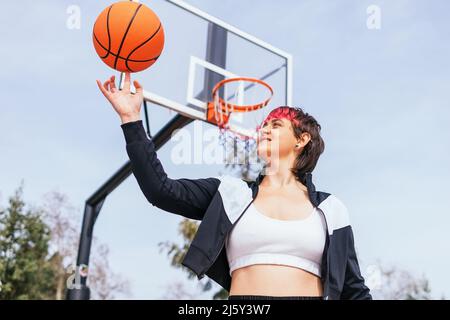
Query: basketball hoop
{"type": "Point", "coordinates": [220, 108]}
{"type": "Point", "coordinates": [223, 104]}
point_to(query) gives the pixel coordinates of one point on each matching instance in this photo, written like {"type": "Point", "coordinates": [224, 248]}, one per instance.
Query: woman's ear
{"type": "Point", "coordinates": [305, 137]}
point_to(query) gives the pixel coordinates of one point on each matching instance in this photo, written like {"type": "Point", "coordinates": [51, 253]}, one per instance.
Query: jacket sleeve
{"type": "Point", "coordinates": [186, 197]}
{"type": "Point", "coordinates": [354, 287]}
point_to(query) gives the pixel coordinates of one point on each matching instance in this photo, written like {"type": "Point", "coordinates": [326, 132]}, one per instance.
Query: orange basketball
{"type": "Point", "coordinates": [128, 36]}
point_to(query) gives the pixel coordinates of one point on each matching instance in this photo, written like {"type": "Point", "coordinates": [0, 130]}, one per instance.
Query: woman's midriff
{"type": "Point", "coordinates": [274, 280]}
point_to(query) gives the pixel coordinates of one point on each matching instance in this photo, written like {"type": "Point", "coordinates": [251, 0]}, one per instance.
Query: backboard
{"type": "Point", "coordinates": [200, 50]}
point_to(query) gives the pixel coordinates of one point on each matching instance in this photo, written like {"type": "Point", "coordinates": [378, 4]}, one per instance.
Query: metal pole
{"type": "Point", "coordinates": [81, 291]}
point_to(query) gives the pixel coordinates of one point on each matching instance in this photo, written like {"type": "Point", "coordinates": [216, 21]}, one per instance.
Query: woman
{"type": "Point", "coordinates": [293, 242]}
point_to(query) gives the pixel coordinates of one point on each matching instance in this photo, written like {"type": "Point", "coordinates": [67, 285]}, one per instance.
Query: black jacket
{"type": "Point", "coordinates": [220, 201]}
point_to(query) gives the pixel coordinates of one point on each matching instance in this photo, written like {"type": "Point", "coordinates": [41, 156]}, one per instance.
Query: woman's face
{"type": "Point", "coordinates": [276, 139]}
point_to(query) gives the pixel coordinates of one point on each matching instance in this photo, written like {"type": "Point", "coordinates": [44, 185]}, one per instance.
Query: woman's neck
{"type": "Point", "coordinates": [279, 175]}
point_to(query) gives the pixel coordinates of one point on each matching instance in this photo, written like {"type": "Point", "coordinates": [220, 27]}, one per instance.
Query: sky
{"type": "Point", "coordinates": [381, 96]}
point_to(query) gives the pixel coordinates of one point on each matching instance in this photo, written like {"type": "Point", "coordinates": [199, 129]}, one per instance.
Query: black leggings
{"type": "Point", "coordinates": [255, 297]}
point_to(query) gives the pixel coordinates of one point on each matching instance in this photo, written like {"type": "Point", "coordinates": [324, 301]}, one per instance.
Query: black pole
{"type": "Point", "coordinates": [80, 289]}
{"type": "Point", "coordinates": [216, 53]}
{"type": "Point", "coordinates": [147, 124]}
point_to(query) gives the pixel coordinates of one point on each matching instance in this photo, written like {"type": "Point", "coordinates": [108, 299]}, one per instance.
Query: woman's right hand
{"type": "Point", "coordinates": [126, 104]}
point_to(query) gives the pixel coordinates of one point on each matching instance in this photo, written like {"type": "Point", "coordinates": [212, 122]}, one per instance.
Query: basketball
{"type": "Point", "coordinates": [128, 36]}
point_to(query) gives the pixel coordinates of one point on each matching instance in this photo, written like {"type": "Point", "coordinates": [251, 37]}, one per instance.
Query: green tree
{"type": "Point", "coordinates": [37, 247]}
{"type": "Point", "coordinates": [26, 271]}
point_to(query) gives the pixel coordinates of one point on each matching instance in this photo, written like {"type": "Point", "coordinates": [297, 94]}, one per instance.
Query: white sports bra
{"type": "Point", "coordinates": [259, 239]}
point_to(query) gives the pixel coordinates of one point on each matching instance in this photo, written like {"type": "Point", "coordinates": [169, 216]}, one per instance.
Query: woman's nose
{"type": "Point", "coordinates": [262, 132]}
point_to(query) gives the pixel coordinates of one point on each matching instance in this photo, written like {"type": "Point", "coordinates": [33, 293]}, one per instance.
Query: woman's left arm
{"type": "Point", "coordinates": [354, 286]}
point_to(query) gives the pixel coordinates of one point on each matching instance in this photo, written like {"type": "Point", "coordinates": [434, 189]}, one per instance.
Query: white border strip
{"type": "Point", "coordinates": [194, 61]}
{"type": "Point", "coordinates": [175, 106]}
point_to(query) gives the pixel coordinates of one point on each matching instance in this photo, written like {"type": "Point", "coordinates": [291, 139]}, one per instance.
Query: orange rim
{"type": "Point", "coordinates": [225, 107]}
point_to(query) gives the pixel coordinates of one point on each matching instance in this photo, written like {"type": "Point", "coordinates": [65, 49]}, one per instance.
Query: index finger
{"type": "Point", "coordinates": [127, 82]}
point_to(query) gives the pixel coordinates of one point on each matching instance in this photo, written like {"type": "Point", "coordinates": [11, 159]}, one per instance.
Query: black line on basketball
{"type": "Point", "coordinates": [115, 55]}
{"type": "Point", "coordinates": [131, 60]}
{"type": "Point", "coordinates": [128, 67]}
{"type": "Point", "coordinates": [125, 35]}
{"type": "Point", "coordinates": [109, 35]}
{"type": "Point", "coordinates": [151, 37]}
